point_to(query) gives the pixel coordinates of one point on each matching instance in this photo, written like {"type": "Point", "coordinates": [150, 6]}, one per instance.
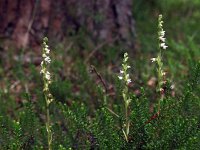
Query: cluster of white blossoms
{"type": "Point", "coordinates": [161, 33]}
{"type": "Point", "coordinates": [44, 71]}
{"type": "Point", "coordinates": [123, 73]}
{"type": "Point", "coordinates": [161, 37]}
{"type": "Point", "coordinates": [46, 60]}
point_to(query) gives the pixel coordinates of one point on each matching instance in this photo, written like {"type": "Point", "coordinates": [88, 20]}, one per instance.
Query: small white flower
{"type": "Point", "coordinates": [161, 90]}
{"type": "Point", "coordinates": [47, 50]}
{"type": "Point", "coordinates": [42, 71]}
{"type": "Point", "coordinates": [163, 73]}
{"type": "Point", "coordinates": [47, 75]}
{"type": "Point", "coordinates": [162, 39]}
{"type": "Point", "coordinates": [120, 77]}
{"type": "Point", "coordinates": [153, 59]}
{"type": "Point", "coordinates": [127, 76]}
{"type": "Point", "coordinates": [128, 66]}
{"type": "Point", "coordinates": [41, 63]}
{"type": "Point", "coordinates": [47, 59]}
{"type": "Point", "coordinates": [162, 33]}
{"type": "Point", "coordinates": [162, 45]}
{"type": "Point", "coordinates": [125, 55]}
{"type": "Point", "coordinates": [44, 55]}
{"type": "Point", "coordinates": [129, 81]}
{"type": "Point", "coordinates": [172, 86]}
{"type": "Point", "coordinates": [121, 71]}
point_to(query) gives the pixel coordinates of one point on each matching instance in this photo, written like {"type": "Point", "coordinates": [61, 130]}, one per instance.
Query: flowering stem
{"type": "Point", "coordinates": [126, 80]}
{"type": "Point", "coordinates": [47, 94]}
{"type": "Point", "coordinates": [161, 73]}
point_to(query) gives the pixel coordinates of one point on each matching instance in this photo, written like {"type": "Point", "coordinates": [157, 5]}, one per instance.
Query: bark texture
{"type": "Point", "coordinates": [26, 22]}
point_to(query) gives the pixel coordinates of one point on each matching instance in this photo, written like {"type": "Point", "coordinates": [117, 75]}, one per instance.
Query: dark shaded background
{"type": "Point", "coordinates": [25, 22]}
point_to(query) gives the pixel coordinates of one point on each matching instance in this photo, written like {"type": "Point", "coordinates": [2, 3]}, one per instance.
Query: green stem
{"type": "Point", "coordinates": [48, 119]}
{"type": "Point", "coordinates": [125, 92]}
{"type": "Point", "coordinates": [49, 130]}
{"type": "Point", "coordinates": [160, 77]}
{"type": "Point", "coordinates": [48, 124]}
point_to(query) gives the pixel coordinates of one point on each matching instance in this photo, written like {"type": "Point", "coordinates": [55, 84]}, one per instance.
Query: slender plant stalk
{"type": "Point", "coordinates": [48, 128]}
{"type": "Point", "coordinates": [124, 76]}
{"type": "Point", "coordinates": [160, 79]}
{"type": "Point", "coordinates": [161, 74]}
{"type": "Point", "coordinates": [48, 96]}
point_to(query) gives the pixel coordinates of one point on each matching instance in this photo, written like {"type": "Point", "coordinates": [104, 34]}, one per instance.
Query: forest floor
{"type": "Point", "coordinates": [72, 63]}
{"type": "Point", "coordinates": [75, 79]}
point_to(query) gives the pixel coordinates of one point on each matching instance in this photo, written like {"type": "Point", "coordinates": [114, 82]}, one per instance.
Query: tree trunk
{"type": "Point", "coordinates": [26, 22]}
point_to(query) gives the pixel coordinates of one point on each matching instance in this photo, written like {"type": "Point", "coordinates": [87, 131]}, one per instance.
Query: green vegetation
{"type": "Point", "coordinates": [88, 103]}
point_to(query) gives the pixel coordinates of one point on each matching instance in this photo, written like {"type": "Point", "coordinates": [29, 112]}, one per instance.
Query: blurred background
{"type": "Point", "coordinates": [83, 33]}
